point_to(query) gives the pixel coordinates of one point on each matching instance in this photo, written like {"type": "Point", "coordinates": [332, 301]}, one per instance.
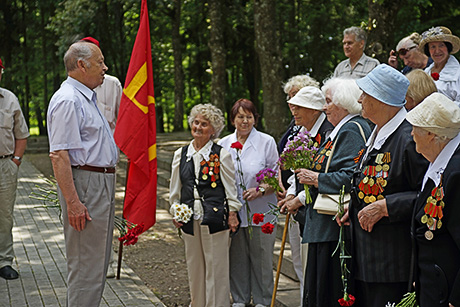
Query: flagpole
{"type": "Point", "coordinates": [120, 248]}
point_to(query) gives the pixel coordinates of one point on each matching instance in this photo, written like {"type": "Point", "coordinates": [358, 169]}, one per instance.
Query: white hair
{"type": "Point", "coordinates": [209, 112]}
{"type": "Point", "coordinates": [345, 93]}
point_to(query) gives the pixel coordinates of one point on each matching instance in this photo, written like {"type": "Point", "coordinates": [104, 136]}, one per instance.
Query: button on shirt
{"type": "Point", "coordinates": [12, 123]}
{"type": "Point", "coordinates": [76, 124]}
{"type": "Point", "coordinates": [364, 66]}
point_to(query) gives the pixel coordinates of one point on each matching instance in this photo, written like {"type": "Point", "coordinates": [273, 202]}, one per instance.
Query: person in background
{"type": "Point", "coordinates": [421, 86]}
{"type": "Point", "coordinates": [436, 127]}
{"type": "Point", "coordinates": [358, 64]}
{"type": "Point", "coordinates": [203, 178]}
{"type": "Point", "coordinates": [251, 250]}
{"type": "Point", "coordinates": [83, 154]}
{"type": "Point", "coordinates": [384, 188]}
{"type": "Point", "coordinates": [13, 142]}
{"type": "Point", "coordinates": [440, 44]}
{"type": "Point", "coordinates": [323, 285]}
{"type": "Point", "coordinates": [407, 50]}
{"type": "Point", "coordinates": [292, 87]}
{"type": "Point", "coordinates": [108, 102]}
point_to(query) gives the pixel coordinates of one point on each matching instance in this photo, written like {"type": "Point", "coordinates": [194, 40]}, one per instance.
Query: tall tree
{"type": "Point", "coordinates": [218, 54]}
{"type": "Point", "coordinates": [268, 49]}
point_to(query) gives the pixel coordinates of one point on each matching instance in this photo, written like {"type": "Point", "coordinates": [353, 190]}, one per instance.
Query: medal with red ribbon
{"type": "Point", "coordinates": [433, 210]}
{"type": "Point", "coordinates": [211, 169]}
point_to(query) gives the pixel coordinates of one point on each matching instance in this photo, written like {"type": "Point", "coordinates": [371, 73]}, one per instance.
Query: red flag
{"type": "Point", "coordinates": [135, 133]}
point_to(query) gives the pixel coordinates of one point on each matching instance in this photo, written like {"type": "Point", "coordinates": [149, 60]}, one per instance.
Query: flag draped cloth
{"type": "Point", "coordinates": [135, 133]}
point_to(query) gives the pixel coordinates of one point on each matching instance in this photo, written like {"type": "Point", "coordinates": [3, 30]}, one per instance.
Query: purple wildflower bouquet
{"type": "Point", "coordinates": [268, 176]}
{"type": "Point", "coordinates": [299, 153]}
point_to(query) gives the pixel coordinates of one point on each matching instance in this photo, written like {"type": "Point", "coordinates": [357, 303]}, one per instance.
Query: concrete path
{"type": "Point", "coordinates": [40, 258]}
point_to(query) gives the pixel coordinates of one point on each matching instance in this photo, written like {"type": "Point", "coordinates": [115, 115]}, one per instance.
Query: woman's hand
{"type": "Point", "coordinates": [177, 224]}
{"type": "Point", "coordinates": [233, 221]}
{"type": "Point", "coordinates": [281, 195]}
{"type": "Point", "coordinates": [392, 60]}
{"type": "Point", "coordinates": [345, 218]}
{"type": "Point", "coordinates": [251, 194]}
{"type": "Point", "coordinates": [372, 213]}
{"type": "Point", "coordinates": [293, 205]}
{"type": "Point", "coordinates": [308, 177]}
{"type": "Point", "coordinates": [281, 203]}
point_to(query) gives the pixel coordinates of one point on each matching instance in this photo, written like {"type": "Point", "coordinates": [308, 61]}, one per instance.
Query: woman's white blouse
{"type": "Point", "coordinates": [449, 79]}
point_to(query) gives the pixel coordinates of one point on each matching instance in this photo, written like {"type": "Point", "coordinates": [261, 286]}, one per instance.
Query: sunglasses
{"type": "Point", "coordinates": [404, 51]}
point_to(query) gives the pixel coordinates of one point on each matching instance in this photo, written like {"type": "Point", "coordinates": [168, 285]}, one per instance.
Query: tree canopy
{"type": "Point", "coordinates": [203, 51]}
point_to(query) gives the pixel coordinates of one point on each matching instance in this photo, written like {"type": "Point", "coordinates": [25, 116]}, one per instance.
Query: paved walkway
{"type": "Point", "coordinates": [40, 258]}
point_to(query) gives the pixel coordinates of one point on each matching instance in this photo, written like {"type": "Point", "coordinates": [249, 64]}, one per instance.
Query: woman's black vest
{"type": "Point", "coordinates": [213, 200]}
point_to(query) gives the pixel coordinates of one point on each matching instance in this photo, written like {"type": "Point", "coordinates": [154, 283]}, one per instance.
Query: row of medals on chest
{"type": "Point", "coordinates": [325, 152]}
{"type": "Point", "coordinates": [371, 186]}
{"type": "Point", "coordinates": [433, 211]}
{"type": "Point", "coordinates": [211, 169]}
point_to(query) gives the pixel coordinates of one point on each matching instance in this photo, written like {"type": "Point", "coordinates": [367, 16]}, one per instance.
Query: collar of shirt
{"type": "Point", "coordinates": [376, 140]}
{"type": "Point", "coordinates": [204, 152]}
{"type": "Point", "coordinates": [83, 89]}
{"type": "Point", "coordinates": [337, 128]}
{"type": "Point", "coordinates": [436, 169]}
{"type": "Point", "coordinates": [361, 61]}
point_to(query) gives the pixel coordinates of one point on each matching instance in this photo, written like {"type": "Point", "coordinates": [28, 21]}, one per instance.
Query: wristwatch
{"type": "Point", "coordinates": [17, 158]}
{"type": "Point", "coordinates": [262, 189]}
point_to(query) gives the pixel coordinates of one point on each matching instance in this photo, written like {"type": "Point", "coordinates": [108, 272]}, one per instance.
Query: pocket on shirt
{"type": "Point", "coordinates": [6, 119]}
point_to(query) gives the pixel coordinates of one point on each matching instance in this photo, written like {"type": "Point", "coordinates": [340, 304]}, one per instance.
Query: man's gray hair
{"type": "Point", "coordinates": [359, 33]}
{"type": "Point", "coordinates": [77, 51]}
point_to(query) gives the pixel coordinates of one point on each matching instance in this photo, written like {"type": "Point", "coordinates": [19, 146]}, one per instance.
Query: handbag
{"type": "Point", "coordinates": [328, 203]}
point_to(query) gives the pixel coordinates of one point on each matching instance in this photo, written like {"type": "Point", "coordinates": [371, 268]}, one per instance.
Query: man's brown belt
{"type": "Point", "coordinates": [110, 170]}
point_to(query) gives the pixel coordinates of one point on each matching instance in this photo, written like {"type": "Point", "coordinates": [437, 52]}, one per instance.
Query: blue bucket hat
{"type": "Point", "coordinates": [385, 84]}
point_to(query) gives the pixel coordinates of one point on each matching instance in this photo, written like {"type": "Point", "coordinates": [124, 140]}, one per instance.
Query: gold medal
{"type": "Point", "coordinates": [379, 158]}
{"type": "Point", "coordinates": [323, 151]}
{"type": "Point", "coordinates": [361, 194]}
{"type": "Point", "coordinates": [430, 222]}
{"type": "Point", "coordinates": [372, 198]}
{"type": "Point", "coordinates": [433, 201]}
{"type": "Point", "coordinates": [371, 182]}
{"type": "Point", "coordinates": [316, 144]}
{"type": "Point", "coordinates": [318, 167]}
{"type": "Point", "coordinates": [378, 168]}
{"type": "Point", "coordinates": [384, 183]}
{"type": "Point", "coordinates": [211, 164]}
{"type": "Point", "coordinates": [366, 199]}
{"type": "Point", "coordinates": [429, 235]}
{"type": "Point", "coordinates": [213, 185]}
{"type": "Point", "coordinates": [429, 199]}
{"type": "Point", "coordinates": [438, 193]}
{"type": "Point", "coordinates": [441, 203]}
{"type": "Point", "coordinates": [205, 177]}
{"type": "Point", "coordinates": [365, 180]}
{"type": "Point", "coordinates": [424, 219]}
{"type": "Point", "coordinates": [380, 196]}
{"type": "Point", "coordinates": [439, 225]}
{"type": "Point", "coordinates": [385, 167]}
{"type": "Point", "coordinates": [215, 209]}
{"type": "Point", "coordinates": [328, 153]}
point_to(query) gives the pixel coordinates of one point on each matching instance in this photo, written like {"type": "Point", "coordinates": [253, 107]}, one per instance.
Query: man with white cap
{"type": "Point", "coordinates": [436, 227]}
{"type": "Point", "coordinates": [384, 187]}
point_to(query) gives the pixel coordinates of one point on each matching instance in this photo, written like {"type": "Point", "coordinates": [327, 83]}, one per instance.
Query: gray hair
{"type": "Point", "coordinates": [345, 93]}
{"type": "Point", "coordinates": [409, 41]}
{"type": "Point", "coordinates": [76, 52]}
{"type": "Point", "coordinates": [359, 33]}
{"type": "Point", "coordinates": [299, 81]}
{"type": "Point", "coordinates": [209, 112]}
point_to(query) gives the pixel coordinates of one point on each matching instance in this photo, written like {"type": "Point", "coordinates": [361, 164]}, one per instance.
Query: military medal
{"type": "Point", "coordinates": [429, 235]}
{"type": "Point", "coordinates": [433, 210]}
{"type": "Point", "coordinates": [211, 169]}
{"type": "Point", "coordinates": [205, 177]}
{"type": "Point", "coordinates": [318, 167]}
{"type": "Point", "coordinates": [361, 194]}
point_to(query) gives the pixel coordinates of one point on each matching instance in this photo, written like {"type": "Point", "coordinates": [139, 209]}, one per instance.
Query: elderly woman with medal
{"type": "Point", "coordinates": [384, 188]}
{"type": "Point", "coordinates": [203, 178]}
{"type": "Point", "coordinates": [435, 226]}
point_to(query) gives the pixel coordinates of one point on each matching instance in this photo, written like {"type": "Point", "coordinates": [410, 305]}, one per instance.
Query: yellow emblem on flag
{"type": "Point", "coordinates": [135, 85]}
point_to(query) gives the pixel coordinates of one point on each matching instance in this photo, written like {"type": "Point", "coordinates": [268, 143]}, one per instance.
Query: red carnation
{"type": "Point", "coordinates": [347, 302]}
{"type": "Point", "coordinates": [268, 228]}
{"type": "Point", "coordinates": [435, 76]}
{"type": "Point", "coordinates": [237, 145]}
{"type": "Point", "coordinates": [258, 218]}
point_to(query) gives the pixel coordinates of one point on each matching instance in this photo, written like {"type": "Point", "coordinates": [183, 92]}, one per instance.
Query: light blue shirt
{"type": "Point", "coordinates": [76, 124]}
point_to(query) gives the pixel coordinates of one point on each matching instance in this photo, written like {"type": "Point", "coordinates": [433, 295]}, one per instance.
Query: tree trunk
{"type": "Point", "coordinates": [178, 70]}
{"type": "Point", "coordinates": [381, 27]}
{"type": "Point", "coordinates": [25, 50]}
{"type": "Point", "coordinates": [268, 49]}
{"type": "Point", "coordinates": [218, 55]}
{"type": "Point", "coordinates": [38, 111]}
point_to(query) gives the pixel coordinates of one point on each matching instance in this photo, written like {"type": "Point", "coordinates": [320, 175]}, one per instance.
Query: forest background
{"type": "Point", "coordinates": [214, 51]}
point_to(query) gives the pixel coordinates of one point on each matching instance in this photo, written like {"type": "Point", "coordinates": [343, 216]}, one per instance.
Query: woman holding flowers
{"type": "Point", "coordinates": [251, 250]}
{"type": "Point", "coordinates": [435, 225]}
{"type": "Point", "coordinates": [344, 144]}
{"type": "Point", "coordinates": [203, 178]}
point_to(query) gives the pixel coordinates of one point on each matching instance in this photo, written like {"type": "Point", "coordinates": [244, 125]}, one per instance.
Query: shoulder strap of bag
{"type": "Point", "coordinates": [333, 146]}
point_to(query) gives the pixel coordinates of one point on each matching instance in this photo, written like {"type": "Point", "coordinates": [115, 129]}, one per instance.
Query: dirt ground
{"type": "Point", "coordinates": [157, 258]}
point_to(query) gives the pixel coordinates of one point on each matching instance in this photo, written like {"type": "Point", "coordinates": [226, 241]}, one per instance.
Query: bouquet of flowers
{"type": "Point", "coordinates": [268, 227]}
{"type": "Point", "coordinates": [299, 153]}
{"type": "Point", "coordinates": [409, 300]}
{"type": "Point", "coordinates": [182, 214]}
{"type": "Point", "coordinates": [347, 299]}
{"type": "Point", "coordinates": [239, 147]}
{"type": "Point", "coordinates": [129, 232]}
{"type": "Point", "coordinates": [268, 176]}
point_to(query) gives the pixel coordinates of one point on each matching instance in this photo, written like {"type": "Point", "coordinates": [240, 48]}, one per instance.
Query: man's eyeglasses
{"type": "Point", "coordinates": [404, 51]}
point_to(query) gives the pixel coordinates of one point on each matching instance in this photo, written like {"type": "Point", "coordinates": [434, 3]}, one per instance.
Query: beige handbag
{"type": "Point", "coordinates": [328, 203]}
